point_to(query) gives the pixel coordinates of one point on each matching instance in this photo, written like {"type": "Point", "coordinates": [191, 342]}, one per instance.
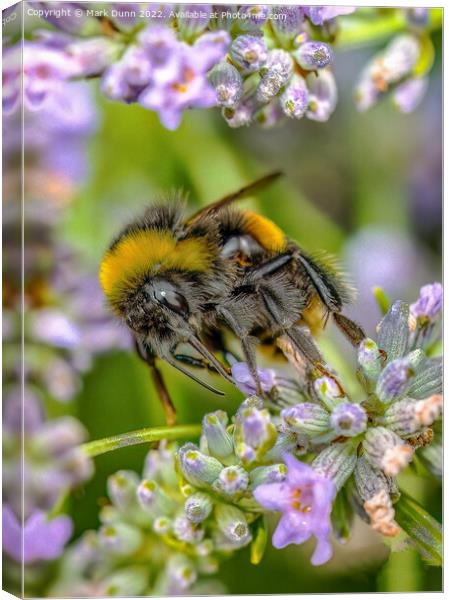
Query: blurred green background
{"type": "Point", "coordinates": [358, 182]}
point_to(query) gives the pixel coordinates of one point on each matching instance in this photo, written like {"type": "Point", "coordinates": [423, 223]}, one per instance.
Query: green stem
{"type": "Point", "coordinates": [367, 26]}
{"type": "Point", "coordinates": [141, 436]}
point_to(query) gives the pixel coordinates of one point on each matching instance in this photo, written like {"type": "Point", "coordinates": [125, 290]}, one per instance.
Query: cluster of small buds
{"type": "Point", "coordinates": [377, 436]}
{"type": "Point", "coordinates": [269, 63]}
{"type": "Point", "coordinates": [200, 502]}
{"type": "Point", "coordinates": [399, 70]}
{"type": "Point", "coordinates": [171, 528]}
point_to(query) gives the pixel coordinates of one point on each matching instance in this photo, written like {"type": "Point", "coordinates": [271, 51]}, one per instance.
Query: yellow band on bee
{"type": "Point", "coordinates": [148, 252]}
{"type": "Point", "coordinates": [265, 232]}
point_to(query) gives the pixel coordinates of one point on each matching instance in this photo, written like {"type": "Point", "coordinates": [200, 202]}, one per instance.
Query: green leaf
{"type": "Point", "coordinates": [423, 529]}
{"type": "Point", "coordinates": [426, 58]}
{"type": "Point", "coordinates": [383, 301]}
{"type": "Point", "coordinates": [342, 516]}
{"type": "Point", "coordinates": [259, 542]}
{"type": "Point", "coordinates": [141, 436]}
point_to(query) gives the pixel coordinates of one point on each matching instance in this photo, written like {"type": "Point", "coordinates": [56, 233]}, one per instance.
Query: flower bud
{"type": "Point", "coordinates": [249, 53]}
{"type": "Point", "coordinates": [186, 531]}
{"type": "Point", "coordinates": [126, 583]}
{"type": "Point", "coordinates": [219, 442]}
{"type": "Point", "coordinates": [370, 480]}
{"type": "Point", "coordinates": [276, 74]}
{"type": "Point", "coordinates": [418, 17]}
{"type": "Point", "coordinates": [232, 481]}
{"type": "Point", "coordinates": [119, 538]}
{"type": "Point", "coordinates": [329, 392]}
{"type": "Point", "coordinates": [375, 489]}
{"type": "Point", "coordinates": [228, 84]}
{"type": "Point", "coordinates": [198, 468]}
{"type": "Point", "coordinates": [408, 95]}
{"type": "Point", "coordinates": [286, 22]}
{"type": "Point", "coordinates": [323, 95]}
{"type": "Point", "coordinates": [287, 441]}
{"type": "Point", "coordinates": [232, 523]}
{"type": "Point", "coordinates": [371, 359]}
{"type": "Point", "coordinates": [348, 419]}
{"type": "Point", "coordinates": [94, 55]}
{"type": "Point", "coordinates": [429, 303]}
{"type": "Point", "coordinates": [268, 116]}
{"type": "Point", "coordinates": [336, 462]}
{"type": "Point", "coordinates": [245, 381]}
{"type": "Point", "coordinates": [408, 416]}
{"type": "Point", "coordinates": [153, 499]}
{"type": "Point", "coordinates": [55, 437]}
{"type": "Point", "coordinates": [313, 55]}
{"type": "Point", "coordinates": [394, 380]}
{"type": "Point", "coordinates": [253, 431]}
{"type": "Point", "coordinates": [162, 525]}
{"type": "Point", "coordinates": [385, 450]}
{"type": "Point", "coordinates": [194, 23]}
{"type": "Point", "coordinates": [270, 474]}
{"type": "Point", "coordinates": [295, 99]}
{"type": "Point", "coordinates": [181, 572]}
{"type": "Point", "coordinates": [308, 418]}
{"type": "Point", "coordinates": [241, 116]}
{"type": "Point", "coordinates": [253, 17]}
{"type": "Point", "coordinates": [198, 507]}
{"type": "Point", "coordinates": [122, 488]}
{"type": "Point", "coordinates": [204, 548]}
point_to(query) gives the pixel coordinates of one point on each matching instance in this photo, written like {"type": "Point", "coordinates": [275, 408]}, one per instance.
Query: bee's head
{"type": "Point", "coordinates": [152, 279]}
{"type": "Point", "coordinates": [159, 306]}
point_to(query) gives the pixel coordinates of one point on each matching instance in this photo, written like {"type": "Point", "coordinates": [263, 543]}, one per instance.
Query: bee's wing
{"type": "Point", "coordinates": [243, 192]}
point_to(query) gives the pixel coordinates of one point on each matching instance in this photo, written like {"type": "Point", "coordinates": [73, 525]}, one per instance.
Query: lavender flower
{"type": "Point", "coordinates": [320, 14]}
{"type": "Point", "coordinates": [228, 84]}
{"type": "Point", "coordinates": [307, 418]}
{"type": "Point", "coordinates": [348, 419]}
{"type": "Point", "coordinates": [245, 381]}
{"type": "Point", "coordinates": [394, 380]}
{"type": "Point", "coordinates": [313, 55]}
{"type": "Point", "coordinates": [252, 17]}
{"type": "Point", "coordinates": [193, 20]}
{"type": "Point", "coordinates": [408, 95]}
{"type": "Point", "coordinates": [43, 538]}
{"type": "Point", "coordinates": [429, 303]}
{"type": "Point", "coordinates": [287, 22]}
{"type": "Point", "coordinates": [186, 88]}
{"type": "Point", "coordinates": [295, 99]}
{"type": "Point", "coordinates": [249, 53]}
{"type": "Point", "coordinates": [305, 500]}
{"type": "Point", "coordinates": [275, 74]}
{"type": "Point", "coordinates": [322, 95]}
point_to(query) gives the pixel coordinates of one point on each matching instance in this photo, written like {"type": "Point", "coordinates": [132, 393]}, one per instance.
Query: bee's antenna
{"type": "Point", "coordinates": [193, 377]}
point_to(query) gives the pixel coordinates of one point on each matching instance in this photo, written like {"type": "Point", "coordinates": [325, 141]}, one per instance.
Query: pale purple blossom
{"type": "Point", "coordinates": [43, 538]}
{"type": "Point", "coordinates": [245, 381]}
{"type": "Point", "coordinates": [409, 94]}
{"type": "Point", "coordinates": [320, 14]}
{"type": "Point", "coordinates": [305, 501]}
{"type": "Point", "coordinates": [430, 301]}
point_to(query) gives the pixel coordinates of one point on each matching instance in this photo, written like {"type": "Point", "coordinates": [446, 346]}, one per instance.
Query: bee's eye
{"type": "Point", "coordinates": [167, 295]}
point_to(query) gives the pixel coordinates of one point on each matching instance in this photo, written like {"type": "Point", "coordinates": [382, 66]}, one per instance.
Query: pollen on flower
{"type": "Point", "coordinates": [380, 510]}
{"type": "Point", "coordinates": [427, 411]}
{"type": "Point", "coordinates": [396, 458]}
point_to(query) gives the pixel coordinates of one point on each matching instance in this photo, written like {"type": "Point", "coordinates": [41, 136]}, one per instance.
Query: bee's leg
{"type": "Point", "coordinates": [192, 361]}
{"type": "Point", "coordinates": [331, 293]}
{"type": "Point", "coordinates": [246, 343]}
{"type": "Point", "coordinates": [156, 375]}
{"type": "Point", "coordinates": [353, 332]}
{"type": "Point", "coordinates": [302, 341]}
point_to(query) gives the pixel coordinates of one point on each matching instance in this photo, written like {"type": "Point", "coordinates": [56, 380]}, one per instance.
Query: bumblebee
{"type": "Point", "coordinates": [177, 280]}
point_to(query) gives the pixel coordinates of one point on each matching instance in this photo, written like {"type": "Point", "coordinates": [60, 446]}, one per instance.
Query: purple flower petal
{"type": "Point", "coordinates": [43, 539]}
